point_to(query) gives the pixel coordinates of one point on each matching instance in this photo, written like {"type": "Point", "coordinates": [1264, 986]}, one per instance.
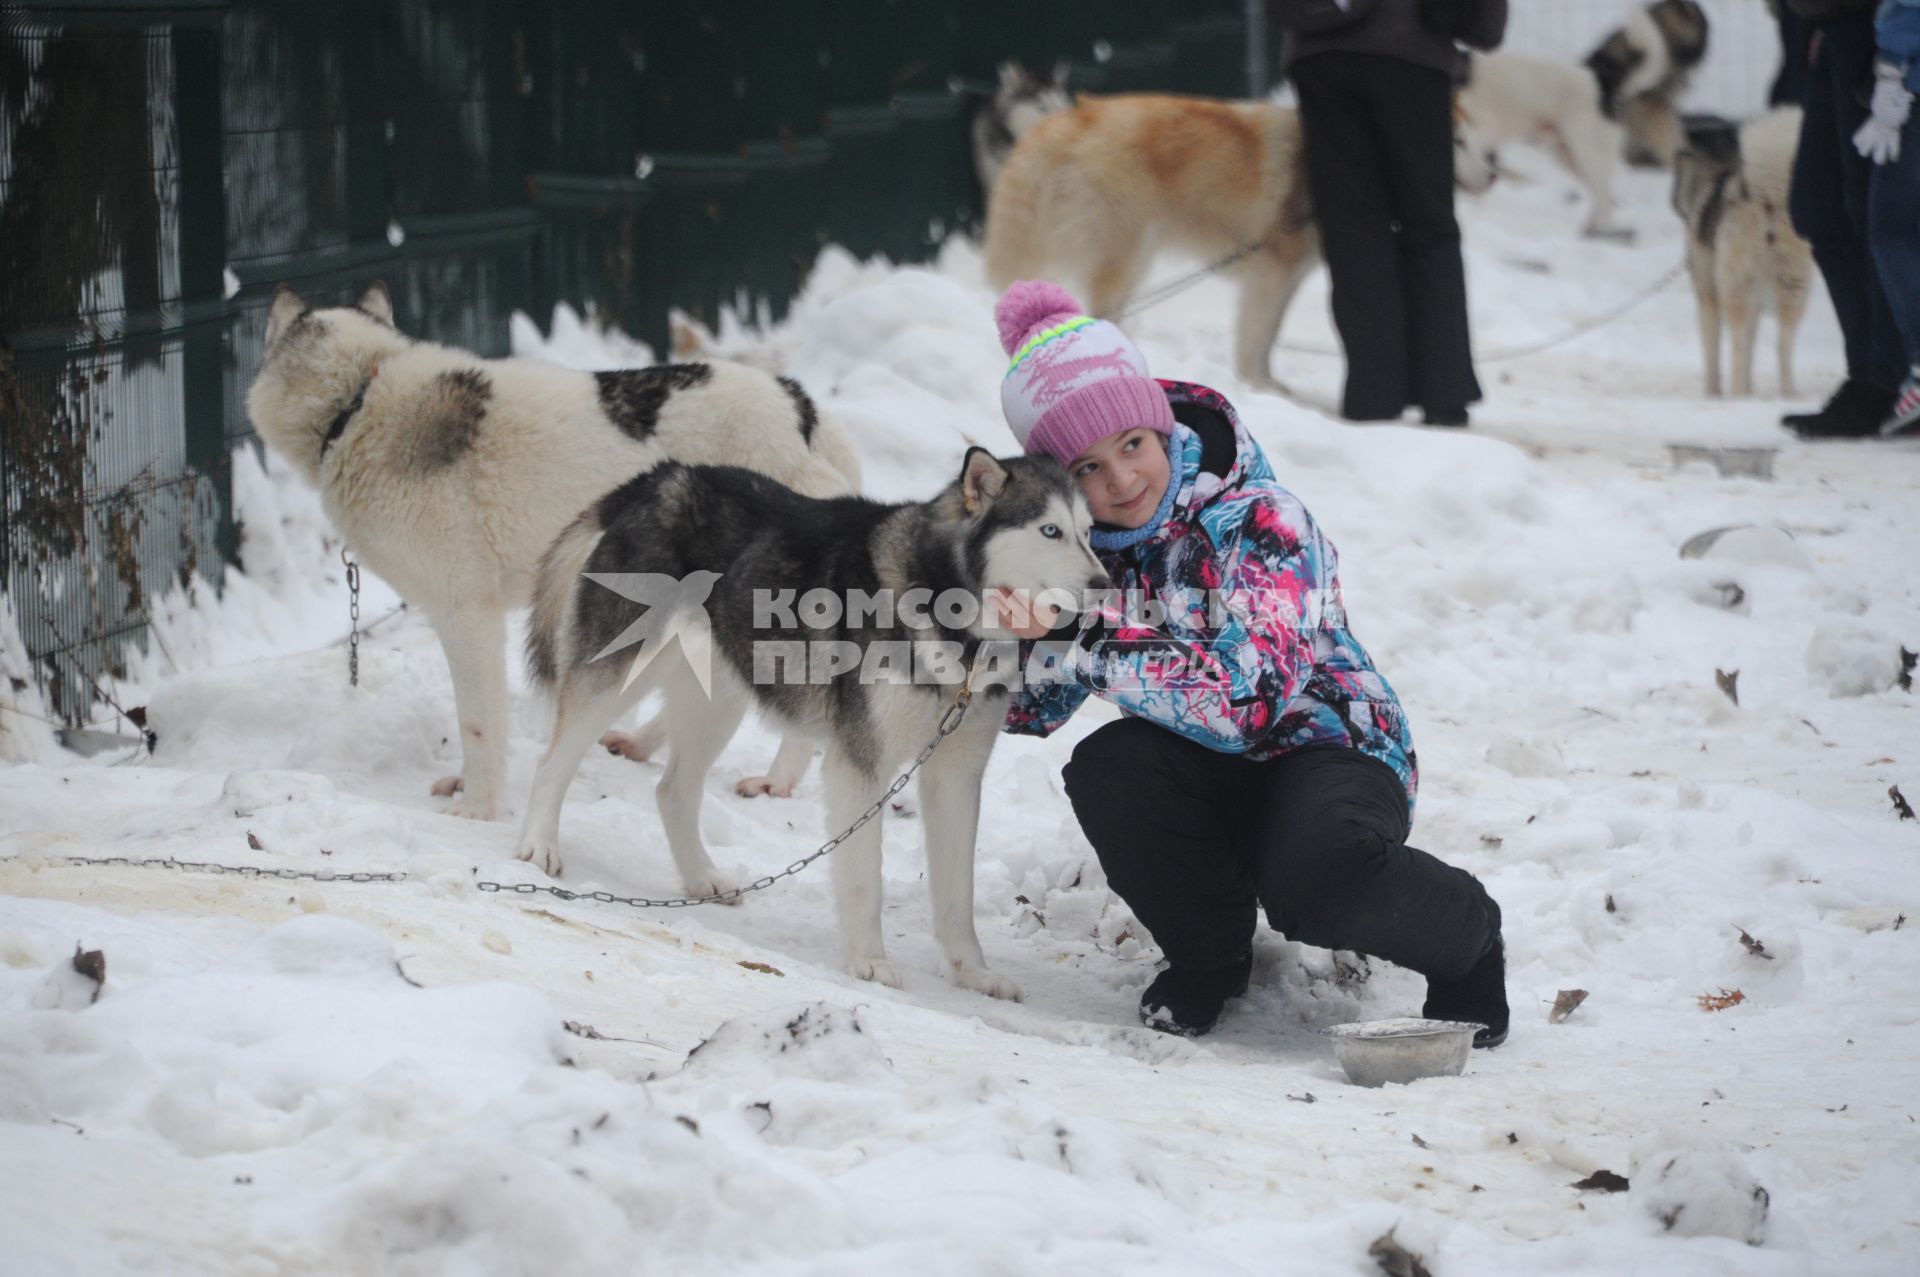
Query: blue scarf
{"type": "Point", "coordinates": [1125, 538]}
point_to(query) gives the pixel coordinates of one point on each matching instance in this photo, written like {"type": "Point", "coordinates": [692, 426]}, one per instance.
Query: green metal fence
{"type": "Point", "coordinates": [162, 167]}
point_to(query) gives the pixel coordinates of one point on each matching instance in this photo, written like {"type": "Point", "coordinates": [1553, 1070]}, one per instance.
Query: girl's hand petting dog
{"type": "Point", "coordinates": [1019, 613]}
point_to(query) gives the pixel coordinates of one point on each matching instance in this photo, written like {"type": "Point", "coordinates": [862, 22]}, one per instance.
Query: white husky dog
{"type": "Point", "coordinates": [449, 474]}
{"type": "Point", "coordinates": [1509, 97]}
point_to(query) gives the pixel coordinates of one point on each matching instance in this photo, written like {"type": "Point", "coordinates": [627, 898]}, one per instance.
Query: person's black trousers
{"type": "Point", "coordinates": [1193, 840]}
{"type": "Point", "coordinates": [1379, 143]}
{"type": "Point", "coordinates": [1828, 198]}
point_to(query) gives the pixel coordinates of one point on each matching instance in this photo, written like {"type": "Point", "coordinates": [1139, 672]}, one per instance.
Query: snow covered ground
{"type": "Point", "coordinates": [291, 1077]}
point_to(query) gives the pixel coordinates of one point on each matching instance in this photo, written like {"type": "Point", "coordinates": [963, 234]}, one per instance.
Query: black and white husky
{"type": "Point", "coordinates": [847, 620]}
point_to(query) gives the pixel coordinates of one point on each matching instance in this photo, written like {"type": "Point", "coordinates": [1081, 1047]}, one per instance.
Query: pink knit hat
{"type": "Point", "coordinates": [1074, 379]}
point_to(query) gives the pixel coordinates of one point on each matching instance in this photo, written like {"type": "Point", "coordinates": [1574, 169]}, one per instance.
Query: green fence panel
{"type": "Point", "coordinates": [862, 195]}
{"type": "Point", "coordinates": [112, 478]}
{"type": "Point", "coordinates": [481, 156]}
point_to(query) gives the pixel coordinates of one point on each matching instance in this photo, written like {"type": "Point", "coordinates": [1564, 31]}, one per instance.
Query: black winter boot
{"type": "Point", "coordinates": [1481, 998]}
{"type": "Point", "coordinates": [1188, 1000]}
{"type": "Point", "coordinates": [1856, 411]}
{"type": "Point", "coordinates": [1796, 421]}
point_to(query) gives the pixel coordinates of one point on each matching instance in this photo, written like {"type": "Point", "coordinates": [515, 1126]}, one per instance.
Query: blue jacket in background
{"type": "Point", "coordinates": [1896, 33]}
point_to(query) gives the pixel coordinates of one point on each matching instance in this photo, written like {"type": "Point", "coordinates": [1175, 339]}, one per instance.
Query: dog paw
{"type": "Point", "coordinates": [981, 980]}
{"type": "Point", "coordinates": [758, 786]}
{"type": "Point", "coordinates": [878, 970]}
{"type": "Point", "coordinates": [626, 745]}
{"type": "Point", "coordinates": [448, 786]}
{"type": "Point", "coordinates": [713, 884]}
{"type": "Point", "coordinates": [468, 805]}
{"type": "Point", "coordinates": [542, 855]}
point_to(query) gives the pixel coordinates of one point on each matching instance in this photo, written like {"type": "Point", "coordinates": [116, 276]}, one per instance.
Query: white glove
{"type": "Point", "coordinates": [1879, 138]}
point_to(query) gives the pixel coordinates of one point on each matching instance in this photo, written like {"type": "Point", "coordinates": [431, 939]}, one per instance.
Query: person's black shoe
{"type": "Point", "coordinates": [1856, 411]}
{"type": "Point", "coordinates": [1796, 421]}
{"type": "Point", "coordinates": [1188, 1000]}
{"type": "Point", "coordinates": [1481, 998]}
{"type": "Point", "coordinates": [1455, 417]}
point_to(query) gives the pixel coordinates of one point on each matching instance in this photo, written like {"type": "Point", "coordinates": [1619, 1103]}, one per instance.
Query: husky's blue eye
{"type": "Point", "coordinates": [1051, 531]}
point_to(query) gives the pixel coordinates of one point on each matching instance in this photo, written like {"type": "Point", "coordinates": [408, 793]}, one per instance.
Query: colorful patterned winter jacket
{"type": "Point", "coordinates": [1253, 655]}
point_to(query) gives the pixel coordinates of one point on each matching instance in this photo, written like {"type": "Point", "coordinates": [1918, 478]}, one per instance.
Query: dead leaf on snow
{"type": "Point", "coordinates": [91, 963]}
{"type": "Point", "coordinates": [1900, 803]}
{"type": "Point", "coordinates": [1564, 1004]}
{"type": "Point", "coordinates": [1753, 946]}
{"type": "Point", "coordinates": [1394, 1259]}
{"type": "Point", "coordinates": [253, 841]}
{"type": "Point", "coordinates": [1722, 1000]}
{"type": "Point", "coordinates": [1420, 1143]}
{"type": "Point", "coordinates": [763, 968]}
{"type": "Point", "coordinates": [1728, 683]}
{"type": "Point", "coordinates": [1604, 1181]}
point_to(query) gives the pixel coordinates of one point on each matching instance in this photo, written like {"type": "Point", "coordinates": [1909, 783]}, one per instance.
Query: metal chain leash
{"type": "Point", "coordinates": [949, 723]}
{"type": "Point", "coordinates": [1178, 284]}
{"type": "Point", "coordinates": [239, 871]}
{"type": "Point", "coordinates": [353, 618]}
{"type": "Point", "coordinates": [1181, 283]}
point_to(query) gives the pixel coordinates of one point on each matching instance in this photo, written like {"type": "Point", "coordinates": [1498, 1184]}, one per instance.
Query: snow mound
{"type": "Point", "coordinates": [1693, 1193]}
{"type": "Point", "coordinates": [1852, 658]}
{"type": "Point", "coordinates": [323, 945]}
{"type": "Point", "coordinates": [817, 1040]}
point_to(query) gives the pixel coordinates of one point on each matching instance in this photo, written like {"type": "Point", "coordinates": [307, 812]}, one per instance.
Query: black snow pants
{"type": "Point", "coordinates": [1192, 839]}
{"type": "Point", "coordinates": [1828, 198]}
{"type": "Point", "coordinates": [1379, 142]}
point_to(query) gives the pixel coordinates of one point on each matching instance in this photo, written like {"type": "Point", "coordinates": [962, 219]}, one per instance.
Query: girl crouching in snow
{"type": "Point", "coordinates": [1262, 760]}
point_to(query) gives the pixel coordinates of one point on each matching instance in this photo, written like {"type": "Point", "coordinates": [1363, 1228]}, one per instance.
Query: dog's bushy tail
{"type": "Point", "coordinates": [554, 583]}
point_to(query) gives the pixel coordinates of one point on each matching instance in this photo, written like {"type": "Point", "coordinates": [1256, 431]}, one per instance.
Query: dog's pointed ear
{"type": "Point", "coordinates": [378, 302]}
{"type": "Point", "coordinates": [981, 479]}
{"type": "Point", "coordinates": [1011, 73]}
{"type": "Point", "coordinates": [286, 308]}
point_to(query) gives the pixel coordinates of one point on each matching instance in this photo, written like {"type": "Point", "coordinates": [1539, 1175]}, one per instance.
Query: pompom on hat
{"type": "Point", "coordinates": [1074, 379]}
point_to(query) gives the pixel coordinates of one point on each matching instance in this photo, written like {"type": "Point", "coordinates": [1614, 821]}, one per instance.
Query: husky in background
{"type": "Point", "coordinates": [1730, 188]}
{"type": "Point", "coordinates": [1091, 195]}
{"type": "Point", "coordinates": [1643, 68]}
{"type": "Point", "coordinates": [1018, 102]}
{"type": "Point", "coordinates": [1510, 97]}
{"type": "Point", "coordinates": [1016, 524]}
{"type": "Point", "coordinates": [449, 475]}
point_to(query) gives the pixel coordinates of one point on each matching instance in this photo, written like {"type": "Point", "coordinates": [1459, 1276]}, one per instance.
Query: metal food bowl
{"type": "Point", "coordinates": [1730, 463]}
{"type": "Point", "coordinates": [1376, 1052]}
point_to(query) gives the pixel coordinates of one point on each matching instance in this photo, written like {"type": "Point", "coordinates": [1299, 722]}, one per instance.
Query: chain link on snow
{"type": "Point", "coordinates": [353, 619]}
{"type": "Point", "coordinates": [949, 723]}
{"type": "Point", "coordinates": [238, 871]}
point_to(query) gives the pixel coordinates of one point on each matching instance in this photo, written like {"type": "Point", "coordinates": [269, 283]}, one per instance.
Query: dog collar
{"type": "Point", "coordinates": [340, 420]}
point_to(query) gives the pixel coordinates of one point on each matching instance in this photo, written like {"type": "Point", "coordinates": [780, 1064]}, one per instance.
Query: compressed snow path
{"type": "Point", "coordinates": [291, 1078]}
